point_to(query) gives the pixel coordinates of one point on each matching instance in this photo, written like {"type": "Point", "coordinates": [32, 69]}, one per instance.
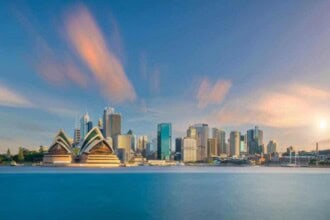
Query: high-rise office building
{"type": "Point", "coordinates": [271, 147]}
{"type": "Point", "coordinates": [255, 141]}
{"type": "Point", "coordinates": [106, 121]}
{"type": "Point", "coordinates": [164, 141]}
{"type": "Point", "coordinates": [192, 132]}
{"type": "Point", "coordinates": [201, 133]}
{"type": "Point", "coordinates": [89, 126]}
{"type": "Point", "coordinates": [178, 149]}
{"type": "Point", "coordinates": [234, 143]}
{"type": "Point", "coordinates": [212, 147]}
{"type": "Point", "coordinates": [124, 143]}
{"type": "Point", "coordinates": [154, 144]}
{"type": "Point", "coordinates": [220, 137]}
{"type": "Point", "coordinates": [142, 144]}
{"type": "Point", "coordinates": [115, 124]}
{"type": "Point", "coordinates": [83, 125]}
{"type": "Point", "coordinates": [189, 151]}
{"type": "Point", "coordinates": [242, 145]}
{"type": "Point", "coordinates": [76, 136]}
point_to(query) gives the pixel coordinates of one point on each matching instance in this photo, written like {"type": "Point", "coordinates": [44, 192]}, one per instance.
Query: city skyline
{"type": "Point", "coordinates": [240, 72]}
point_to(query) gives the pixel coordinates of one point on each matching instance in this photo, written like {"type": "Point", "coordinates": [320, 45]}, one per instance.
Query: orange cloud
{"type": "Point", "coordinates": [87, 40]}
{"type": "Point", "coordinates": [289, 106]}
{"type": "Point", "coordinates": [212, 94]}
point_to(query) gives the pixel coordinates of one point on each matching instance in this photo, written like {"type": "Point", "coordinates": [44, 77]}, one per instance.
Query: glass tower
{"type": "Point", "coordinates": [164, 139]}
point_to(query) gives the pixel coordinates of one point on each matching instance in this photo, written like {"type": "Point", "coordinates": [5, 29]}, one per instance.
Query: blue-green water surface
{"type": "Point", "coordinates": [164, 193]}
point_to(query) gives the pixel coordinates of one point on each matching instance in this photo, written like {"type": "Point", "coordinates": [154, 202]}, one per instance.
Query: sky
{"type": "Point", "coordinates": [230, 64]}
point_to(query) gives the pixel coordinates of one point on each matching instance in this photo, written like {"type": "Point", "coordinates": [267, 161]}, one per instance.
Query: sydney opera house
{"type": "Point", "coordinates": [94, 150]}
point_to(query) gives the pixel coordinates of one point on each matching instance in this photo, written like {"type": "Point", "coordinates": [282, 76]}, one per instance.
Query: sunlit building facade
{"type": "Point", "coordinates": [124, 143]}
{"type": "Point", "coordinates": [189, 146]}
{"type": "Point", "coordinates": [212, 147]}
{"type": "Point", "coordinates": [201, 133]}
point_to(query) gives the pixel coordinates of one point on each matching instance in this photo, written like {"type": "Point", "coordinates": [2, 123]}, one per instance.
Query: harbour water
{"type": "Point", "coordinates": [164, 193]}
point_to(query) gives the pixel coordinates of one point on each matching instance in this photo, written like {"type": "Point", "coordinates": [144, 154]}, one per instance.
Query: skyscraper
{"type": "Point", "coordinates": [115, 124]}
{"type": "Point", "coordinates": [212, 147]}
{"type": "Point", "coordinates": [189, 149]}
{"type": "Point", "coordinates": [178, 149]}
{"type": "Point", "coordinates": [89, 126]}
{"type": "Point", "coordinates": [124, 143]}
{"type": "Point", "coordinates": [106, 121]}
{"type": "Point", "coordinates": [201, 133]}
{"type": "Point", "coordinates": [243, 148]}
{"type": "Point", "coordinates": [76, 136]}
{"type": "Point", "coordinates": [220, 137]}
{"type": "Point", "coordinates": [164, 141]}
{"type": "Point", "coordinates": [142, 144]}
{"type": "Point", "coordinates": [234, 143]}
{"type": "Point", "coordinates": [271, 147]}
{"type": "Point", "coordinates": [83, 125]}
{"type": "Point", "coordinates": [255, 141]}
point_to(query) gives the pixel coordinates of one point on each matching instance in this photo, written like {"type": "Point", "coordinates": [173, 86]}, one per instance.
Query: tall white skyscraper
{"type": "Point", "coordinates": [84, 125]}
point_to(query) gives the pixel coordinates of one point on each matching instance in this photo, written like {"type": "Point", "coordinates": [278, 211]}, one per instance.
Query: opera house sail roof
{"type": "Point", "coordinates": [60, 151]}
{"type": "Point", "coordinates": [96, 149]}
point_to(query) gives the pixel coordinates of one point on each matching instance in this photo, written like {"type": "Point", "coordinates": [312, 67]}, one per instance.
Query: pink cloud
{"type": "Point", "coordinates": [212, 94]}
{"type": "Point", "coordinates": [86, 38]}
{"type": "Point", "coordinates": [53, 67]}
{"type": "Point", "coordinates": [289, 106]}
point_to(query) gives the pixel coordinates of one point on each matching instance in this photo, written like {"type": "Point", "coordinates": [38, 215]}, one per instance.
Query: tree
{"type": "Point", "coordinates": [20, 156]}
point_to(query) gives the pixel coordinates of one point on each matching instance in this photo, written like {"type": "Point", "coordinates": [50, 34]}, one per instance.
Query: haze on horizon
{"type": "Point", "coordinates": [231, 64]}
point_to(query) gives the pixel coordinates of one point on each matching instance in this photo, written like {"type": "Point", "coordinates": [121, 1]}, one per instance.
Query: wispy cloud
{"type": "Point", "coordinates": [88, 41]}
{"type": "Point", "coordinates": [57, 68]}
{"type": "Point", "coordinates": [209, 93]}
{"type": "Point", "coordinates": [11, 98]}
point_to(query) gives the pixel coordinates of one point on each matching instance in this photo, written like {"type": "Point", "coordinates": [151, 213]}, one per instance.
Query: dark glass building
{"type": "Point", "coordinates": [178, 149]}
{"type": "Point", "coordinates": [164, 141]}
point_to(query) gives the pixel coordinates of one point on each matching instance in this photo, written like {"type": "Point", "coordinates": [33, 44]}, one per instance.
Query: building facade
{"type": "Point", "coordinates": [164, 141]}
{"type": "Point", "coordinates": [271, 147]}
{"type": "Point", "coordinates": [234, 143]}
{"type": "Point", "coordinates": [255, 141]}
{"type": "Point", "coordinates": [178, 149]}
{"type": "Point", "coordinates": [106, 121]}
{"type": "Point", "coordinates": [212, 147]}
{"type": "Point", "coordinates": [220, 137]}
{"type": "Point", "coordinates": [124, 144]}
{"type": "Point", "coordinates": [189, 146]}
{"type": "Point", "coordinates": [201, 133]}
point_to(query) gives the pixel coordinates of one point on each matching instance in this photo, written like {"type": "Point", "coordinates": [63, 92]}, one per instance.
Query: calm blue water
{"type": "Point", "coordinates": [164, 193]}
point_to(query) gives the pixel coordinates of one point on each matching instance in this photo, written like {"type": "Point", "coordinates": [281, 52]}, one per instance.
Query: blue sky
{"type": "Point", "coordinates": [231, 64]}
